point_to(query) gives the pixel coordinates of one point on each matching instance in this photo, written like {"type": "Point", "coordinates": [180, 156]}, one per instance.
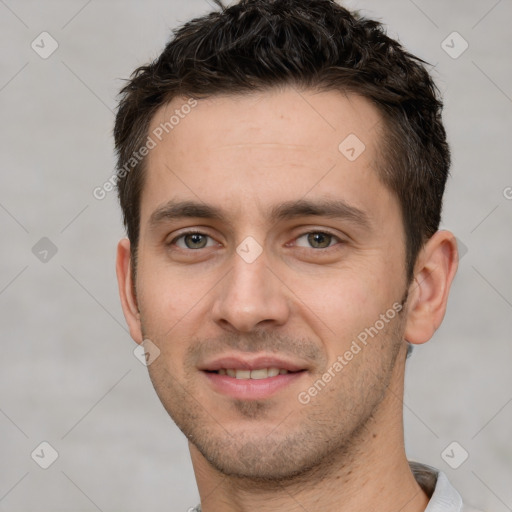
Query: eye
{"type": "Point", "coordinates": [193, 240]}
{"type": "Point", "coordinates": [317, 240]}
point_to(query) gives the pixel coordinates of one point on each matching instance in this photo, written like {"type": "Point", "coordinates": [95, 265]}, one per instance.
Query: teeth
{"type": "Point", "coordinates": [261, 373]}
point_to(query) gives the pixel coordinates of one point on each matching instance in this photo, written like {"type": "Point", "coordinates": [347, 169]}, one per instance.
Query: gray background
{"type": "Point", "coordinates": [69, 376]}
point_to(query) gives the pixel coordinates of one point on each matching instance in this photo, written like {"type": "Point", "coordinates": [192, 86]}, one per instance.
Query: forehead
{"type": "Point", "coordinates": [260, 149]}
{"type": "Point", "coordinates": [309, 119]}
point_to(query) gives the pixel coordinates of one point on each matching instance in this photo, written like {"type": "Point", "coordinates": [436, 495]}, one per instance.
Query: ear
{"type": "Point", "coordinates": [434, 271]}
{"type": "Point", "coordinates": [127, 290]}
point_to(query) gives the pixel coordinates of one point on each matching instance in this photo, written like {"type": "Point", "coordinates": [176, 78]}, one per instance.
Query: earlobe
{"type": "Point", "coordinates": [428, 294]}
{"type": "Point", "coordinates": [126, 290]}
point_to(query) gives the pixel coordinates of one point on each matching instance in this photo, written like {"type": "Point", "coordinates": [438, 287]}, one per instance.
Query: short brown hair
{"type": "Point", "coordinates": [258, 44]}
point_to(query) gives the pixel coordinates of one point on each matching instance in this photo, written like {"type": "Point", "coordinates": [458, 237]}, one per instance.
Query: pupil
{"type": "Point", "coordinates": [319, 239]}
{"type": "Point", "coordinates": [195, 241]}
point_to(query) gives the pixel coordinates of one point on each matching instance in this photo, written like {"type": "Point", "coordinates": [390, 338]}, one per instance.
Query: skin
{"type": "Point", "coordinates": [301, 299]}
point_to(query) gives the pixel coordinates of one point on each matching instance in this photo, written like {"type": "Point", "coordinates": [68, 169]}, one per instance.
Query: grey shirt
{"type": "Point", "coordinates": [443, 496]}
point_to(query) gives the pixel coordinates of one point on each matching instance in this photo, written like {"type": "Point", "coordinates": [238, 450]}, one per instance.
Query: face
{"type": "Point", "coordinates": [271, 273]}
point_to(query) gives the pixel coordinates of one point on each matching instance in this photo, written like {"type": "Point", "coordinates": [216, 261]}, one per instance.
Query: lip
{"type": "Point", "coordinates": [251, 389]}
{"type": "Point", "coordinates": [251, 363]}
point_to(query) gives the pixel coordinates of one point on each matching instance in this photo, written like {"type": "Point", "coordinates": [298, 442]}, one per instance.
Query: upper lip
{"type": "Point", "coordinates": [251, 362]}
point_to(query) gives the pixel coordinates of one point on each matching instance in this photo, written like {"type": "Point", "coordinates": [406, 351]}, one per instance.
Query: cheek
{"type": "Point", "coordinates": [346, 306]}
{"type": "Point", "coordinates": [346, 297]}
{"type": "Point", "coordinates": [163, 294]}
{"type": "Point", "coordinates": [164, 305]}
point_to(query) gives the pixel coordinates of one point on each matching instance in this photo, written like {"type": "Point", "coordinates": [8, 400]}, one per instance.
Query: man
{"type": "Point", "coordinates": [281, 172]}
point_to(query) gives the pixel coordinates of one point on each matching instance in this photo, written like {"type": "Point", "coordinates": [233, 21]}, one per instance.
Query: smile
{"type": "Point", "coordinates": [257, 374]}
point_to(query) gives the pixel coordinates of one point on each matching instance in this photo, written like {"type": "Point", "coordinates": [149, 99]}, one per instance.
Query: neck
{"type": "Point", "coordinates": [372, 474]}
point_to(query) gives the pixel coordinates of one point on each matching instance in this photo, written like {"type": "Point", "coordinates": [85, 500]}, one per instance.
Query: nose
{"type": "Point", "coordinates": [250, 296]}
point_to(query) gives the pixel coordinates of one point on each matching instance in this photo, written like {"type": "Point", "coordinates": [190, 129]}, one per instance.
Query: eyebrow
{"type": "Point", "coordinates": [330, 208]}
{"type": "Point", "coordinates": [335, 209]}
{"type": "Point", "coordinates": [174, 210]}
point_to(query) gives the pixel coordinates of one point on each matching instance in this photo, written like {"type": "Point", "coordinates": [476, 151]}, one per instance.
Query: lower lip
{"type": "Point", "coordinates": [251, 389]}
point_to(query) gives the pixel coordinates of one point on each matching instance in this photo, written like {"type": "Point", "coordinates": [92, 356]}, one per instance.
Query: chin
{"type": "Point", "coordinates": [257, 456]}
{"type": "Point", "coordinates": [272, 467]}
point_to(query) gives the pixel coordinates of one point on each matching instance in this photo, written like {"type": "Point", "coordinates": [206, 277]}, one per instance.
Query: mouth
{"type": "Point", "coordinates": [257, 374]}
{"type": "Point", "coordinates": [255, 378]}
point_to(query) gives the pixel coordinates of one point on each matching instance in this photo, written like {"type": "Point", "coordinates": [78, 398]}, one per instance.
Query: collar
{"type": "Point", "coordinates": [443, 496]}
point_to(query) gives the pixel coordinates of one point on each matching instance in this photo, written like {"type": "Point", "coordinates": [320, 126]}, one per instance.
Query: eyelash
{"type": "Point", "coordinates": [316, 232]}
